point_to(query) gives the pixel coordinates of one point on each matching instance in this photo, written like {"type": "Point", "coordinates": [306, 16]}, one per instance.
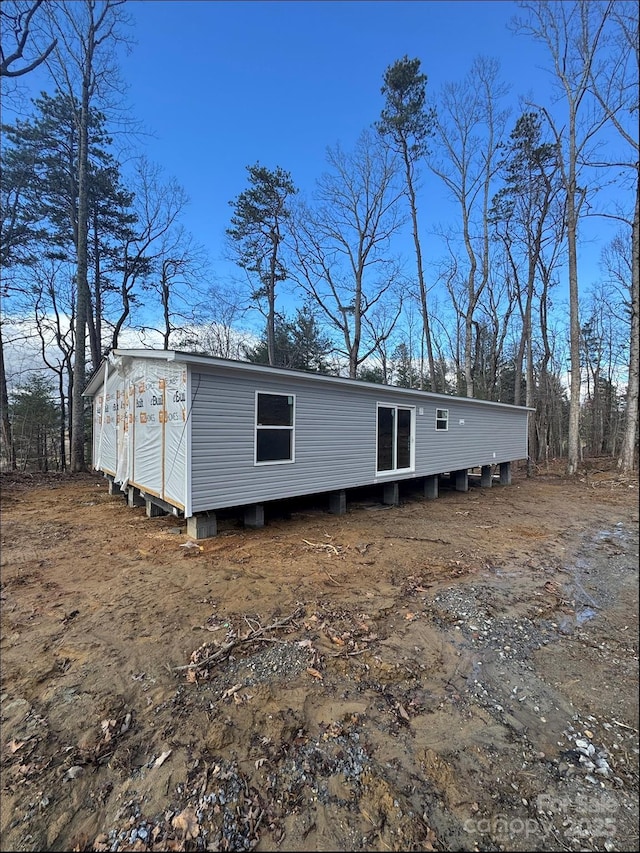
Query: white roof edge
{"type": "Point", "coordinates": [248, 366]}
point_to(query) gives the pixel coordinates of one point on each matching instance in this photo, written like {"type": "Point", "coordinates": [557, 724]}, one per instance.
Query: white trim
{"type": "Point", "coordinates": [446, 419]}
{"type": "Point", "coordinates": [392, 472]}
{"type": "Point", "coordinates": [291, 429]}
{"type": "Point", "coordinates": [188, 467]}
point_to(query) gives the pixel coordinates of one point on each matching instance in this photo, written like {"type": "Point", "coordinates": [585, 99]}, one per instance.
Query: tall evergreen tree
{"type": "Point", "coordinates": [299, 344]}
{"type": "Point", "coordinates": [258, 228]}
{"type": "Point", "coordinates": [406, 123]}
{"type": "Point", "coordinates": [40, 205]}
{"type": "Point", "coordinates": [528, 220]}
{"type": "Point", "coordinates": [406, 375]}
{"type": "Point", "coordinates": [46, 147]}
{"type": "Point", "coordinates": [35, 419]}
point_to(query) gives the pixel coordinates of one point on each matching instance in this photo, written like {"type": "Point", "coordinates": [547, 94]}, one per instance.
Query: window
{"type": "Point", "coordinates": [442, 418]}
{"type": "Point", "coordinates": [274, 428]}
{"type": "Point", "coordinates": [395, 438]}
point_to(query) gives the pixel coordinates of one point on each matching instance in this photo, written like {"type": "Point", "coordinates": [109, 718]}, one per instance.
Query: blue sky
{"type": "Point", "coordinates": [222, 85]}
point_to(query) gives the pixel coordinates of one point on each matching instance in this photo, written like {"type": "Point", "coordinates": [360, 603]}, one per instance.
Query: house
{"type": "Point", "coordinates": [190, 434]}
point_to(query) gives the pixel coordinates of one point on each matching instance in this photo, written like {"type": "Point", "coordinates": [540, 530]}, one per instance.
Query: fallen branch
{"type": "Point", "coordinates": [623, 725]}
{"type": "Point", "coordinates": [348, 654]}
{"type": "Point", "coordinates": [251, 637]}
{"type": "Point", "coordinates": [325, 546]}
{"type": "Point", "coordinates": [419, 539]}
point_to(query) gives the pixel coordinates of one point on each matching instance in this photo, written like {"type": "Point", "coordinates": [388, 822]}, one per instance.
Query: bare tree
{"type": "Point", "coordinates": [176, 278]}
{"type": "Point", "coordinates": [379, 324]}
{"type": "Point", "coordinates": [548, 419]}
{"type": "Point", "coordinates": [618, 261]}
{"type": "Point", "coordinates": [16, 25]}
{"type": "Point", "coordinates": [496, 308]}
{"type": "Point", "coordinates": [571, 32]}
{"type": "Point", "coordinates": [343, 242]}
{"type": "Point", "coordinates": [218, 330]}
{"type": "Point", "coordinates": [158, 206]}
{"type": "Point", "coordinates": [615, 86]}
{"type": "Point", "coordinates": [469, 130]}
{"type": "Point", "coordinates": [53, 312]}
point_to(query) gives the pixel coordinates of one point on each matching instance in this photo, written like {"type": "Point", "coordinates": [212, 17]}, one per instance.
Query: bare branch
{"type": "Point", "coordinates": [19, 21]}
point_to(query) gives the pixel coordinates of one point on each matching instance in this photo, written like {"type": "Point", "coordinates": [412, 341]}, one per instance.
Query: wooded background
{"type": "Point", "coordinates": [92, 251]}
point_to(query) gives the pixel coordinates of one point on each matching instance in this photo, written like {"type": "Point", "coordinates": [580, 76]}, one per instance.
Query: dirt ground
{"type": "Point", "coordinates": [457, 674]}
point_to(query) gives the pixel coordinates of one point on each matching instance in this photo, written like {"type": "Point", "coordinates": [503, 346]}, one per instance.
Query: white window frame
{"type": "Point", "coordinates": [291, 429]}
{"type": "Point", "coordinates": [412, 449]}
{"type": "Point", "coordinates": [442, 415]}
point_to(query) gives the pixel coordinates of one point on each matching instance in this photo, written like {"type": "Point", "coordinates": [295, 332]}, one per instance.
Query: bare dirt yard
{"type": "Point", "coordinates": [457, 674]}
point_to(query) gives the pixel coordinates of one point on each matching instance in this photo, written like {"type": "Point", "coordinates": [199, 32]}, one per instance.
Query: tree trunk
{"type": "Point", "coordinates": [573, 450]}
{"type": "Point", "coordinates": [165, 307]}
{"type": "Point", "coordinates": [94, 318]}
{"type": "Point", "coordinates": [626, 461]}
{"type": "Point", "coordinates": [468, 317]}
{"type": "Point", "coordinates": [82, 305]}
{"type": "Point", "coordinates": [7, 434]}
{"type": "Point", "coordinates": [423, 290]}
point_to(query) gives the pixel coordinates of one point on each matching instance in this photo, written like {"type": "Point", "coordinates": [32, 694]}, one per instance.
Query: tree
{"type": "Point", "coordinates": [217, 331]}
{"type": "Point", "coordinates": [371, 373]}
{"type": "Point", "coordinates": [552, 405]}
{"type": "Point", "coordinates": [53, 310]}
{"type": "Point", "coordinates": [406, 124]}
{"type": "Point", "coordinates": [299, 344]}
{"type": "Point", "coordinates": [343, 242]}
{"type": "Point", "coordinates": [605, 344]}
{"type": "Point", "coordinates": [35, 419]}
{"type": "Point", "coordinates": [571, 32]}
{"type": "Point", "coordinates": [147, 243]}
{"type": "Point", "coordinates": [311, 347]}
{"type": "Point", "coordinates": [111, 218]}
{"type": "Point", "coordinates": [469, 130]}
{"type": "Point", "coordinates": [52, 197]}
{"type": "Point", "coordinates": [16, 18]}
{"type": "Point", "coordinates": [258, 227]}
{"type": "Point", "coordinates": [615, 86]}
{"type": "Point", "coordinates": [20, 193]}
{"type": "Point", "coordinates": [527, 217]}
{"type": "Point", "coordinates": [82, 64]}
{"type": "Point", "coordinates": [406, 375]}
{"type": "Point", "coordinates": [40, 207]}
{"type": "Point", "coordinates": [620, 283]}
{"type": "Point", "coordinates": [19, 229]}
{"type": "Point", "coordinates": [176, 274]}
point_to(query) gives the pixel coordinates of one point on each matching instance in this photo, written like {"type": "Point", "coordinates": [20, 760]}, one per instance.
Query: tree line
{"type": "Point", "coordinates": [90, 250]}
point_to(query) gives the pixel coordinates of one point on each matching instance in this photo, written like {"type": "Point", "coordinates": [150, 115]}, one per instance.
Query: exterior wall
{"type": "Point", "coordinates": [139, 438]}
{"type": "Point", "coordinates": [335, 437]}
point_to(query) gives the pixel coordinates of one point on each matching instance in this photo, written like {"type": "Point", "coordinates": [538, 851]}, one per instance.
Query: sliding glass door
{"type": "Point", "coordinates": [395, 438]}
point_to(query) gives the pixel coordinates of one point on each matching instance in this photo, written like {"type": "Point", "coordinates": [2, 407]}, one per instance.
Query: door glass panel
{"type": "Point", "coordinates": [403, 451]}
{"type": "Point", "coordinates": [385, 438]}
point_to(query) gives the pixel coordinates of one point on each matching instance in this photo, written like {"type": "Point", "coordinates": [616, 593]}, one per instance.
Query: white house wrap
{"type": "Point", "coordinates": [140, 420]}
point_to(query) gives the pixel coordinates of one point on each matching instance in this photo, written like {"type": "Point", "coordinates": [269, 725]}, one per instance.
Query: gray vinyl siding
{"type": "Point", "coordinates": [335, 437]}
